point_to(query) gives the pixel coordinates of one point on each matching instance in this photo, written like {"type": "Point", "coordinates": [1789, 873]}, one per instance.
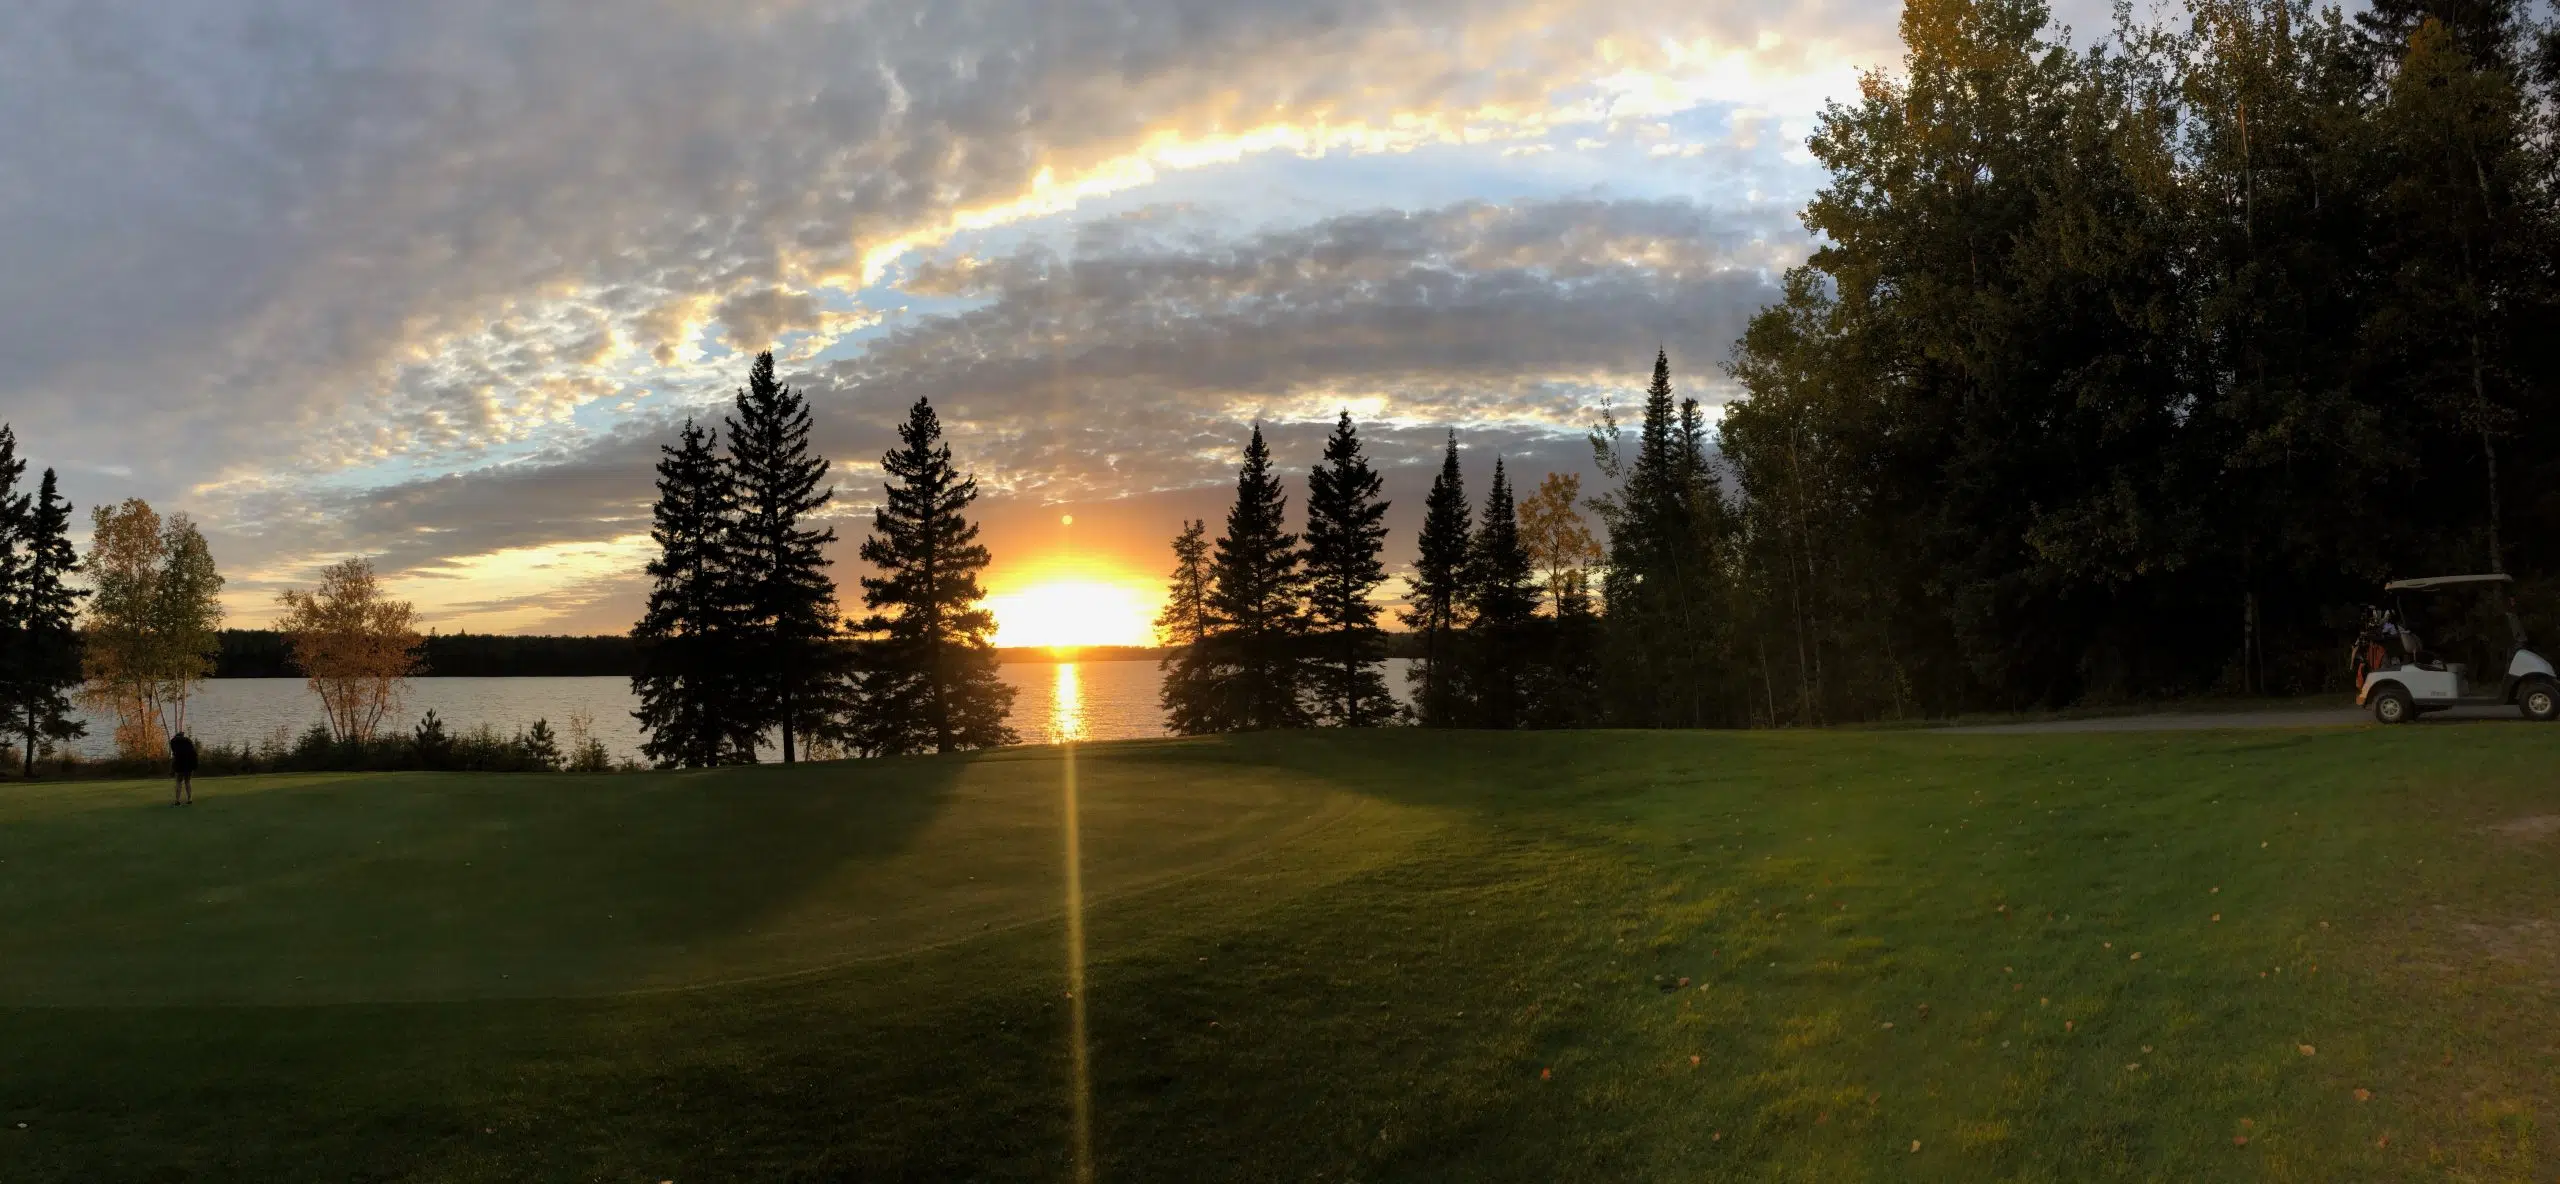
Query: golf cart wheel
{"type": "Point", "coordinates": [2539, 700]}
{"type": "Point", "coordinates": [2391, 705]}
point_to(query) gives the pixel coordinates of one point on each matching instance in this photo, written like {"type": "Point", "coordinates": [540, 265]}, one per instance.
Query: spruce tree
{"type": "Point", "coordinates": [789, 646]}
{"type": "Point", "coordinates": [44, 662]}
{"type": "Point", "coordinates": [1345, 533]}
{"type": "Point", "coordinates": [1181, 625]}
{"type": "Point", "coordinates": [692, 701]}
{"type": "Point", "coordinates": [931, 683]}
{"type": "Point", "coordinates": [39, 639]}
{"type": "Point", "coordinates": [1502, 599]}
{"type": "Point", "coordinates": [1436, 603]}
{"type": "Point", "coordinates": [1253, 663]}
{"type": "Point", "coordinates": [14, 566]}
{"type": "Point", "coordinates": [1656, 586]}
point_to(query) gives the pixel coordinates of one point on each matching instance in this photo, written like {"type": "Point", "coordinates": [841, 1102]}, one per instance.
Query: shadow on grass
{"type": "Point", "coordinates": [406, 886]}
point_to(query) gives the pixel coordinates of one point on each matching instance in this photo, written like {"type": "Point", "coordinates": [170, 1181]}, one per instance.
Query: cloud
{"type": "Point", "coordinates": [1123, 368]}
{"type": "Point", "coordinates": [304, 234]}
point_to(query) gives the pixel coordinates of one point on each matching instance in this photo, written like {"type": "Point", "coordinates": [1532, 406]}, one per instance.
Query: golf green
{"type": "Point", "coordinates": [2315, 955]}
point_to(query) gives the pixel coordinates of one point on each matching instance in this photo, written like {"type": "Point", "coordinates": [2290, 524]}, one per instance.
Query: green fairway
{"type": "Point", "coordinates": [1389, 955]}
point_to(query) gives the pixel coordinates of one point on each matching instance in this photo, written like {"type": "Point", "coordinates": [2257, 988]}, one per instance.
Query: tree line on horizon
{"type": "Point", "coordinates": [2118, 373]}
{"type": "Point", "coordinates": [133, 628]}
{"type": "Point", "coordinates": [2134, 371]}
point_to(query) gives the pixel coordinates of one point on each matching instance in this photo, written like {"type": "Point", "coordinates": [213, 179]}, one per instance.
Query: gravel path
{"type": "Point", "coordinates": [2198, 721]}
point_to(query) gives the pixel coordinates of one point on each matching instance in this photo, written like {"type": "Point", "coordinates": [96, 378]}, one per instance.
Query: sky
{"type": "Point", "coordinates": [432, 283]}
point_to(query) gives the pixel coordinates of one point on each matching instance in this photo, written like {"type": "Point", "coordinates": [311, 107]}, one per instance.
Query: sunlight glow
{"type": "Point", "coordinates": [1074, 612]}
{"type": "Point", "coordinates": [1066, 707]}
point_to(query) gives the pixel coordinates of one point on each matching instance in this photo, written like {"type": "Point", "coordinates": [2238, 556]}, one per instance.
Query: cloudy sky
{"type": "Point", "coordinates": [431, 282]}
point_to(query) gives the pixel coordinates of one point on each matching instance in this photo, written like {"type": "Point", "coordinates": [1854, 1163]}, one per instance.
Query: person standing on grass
{"type": "Point", "coordinates": [182, 761]}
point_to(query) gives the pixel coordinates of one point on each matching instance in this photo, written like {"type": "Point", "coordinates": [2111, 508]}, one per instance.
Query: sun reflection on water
{"type": "Point", "coordinates": [1066, 707]}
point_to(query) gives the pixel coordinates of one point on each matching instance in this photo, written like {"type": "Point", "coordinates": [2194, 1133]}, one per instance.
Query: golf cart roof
{"type": "Point", "coordinates": [2423, 583]}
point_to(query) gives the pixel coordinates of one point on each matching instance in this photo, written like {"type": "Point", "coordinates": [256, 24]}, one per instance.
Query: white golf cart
{"type": "Point", "coordinates": [2401, 679]}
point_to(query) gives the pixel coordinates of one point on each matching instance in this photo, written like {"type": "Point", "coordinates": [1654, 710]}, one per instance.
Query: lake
{"type": "Point", "coordinates": [1052, 703]}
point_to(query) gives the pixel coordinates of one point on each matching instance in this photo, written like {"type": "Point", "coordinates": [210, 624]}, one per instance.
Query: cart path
{"type": "Point", "coordinates": [2201, 721]}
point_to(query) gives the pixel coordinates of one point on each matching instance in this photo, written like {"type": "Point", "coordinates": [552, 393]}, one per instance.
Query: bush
{"type": "Point", "coordinates": [429, 746]}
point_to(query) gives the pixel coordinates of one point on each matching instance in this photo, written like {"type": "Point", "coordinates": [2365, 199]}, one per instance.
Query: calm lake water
{"type": "Point", "coordinates": [1053, 703]}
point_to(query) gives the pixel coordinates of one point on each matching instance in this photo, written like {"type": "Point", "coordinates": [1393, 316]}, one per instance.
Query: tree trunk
{"type": "Point", "coordinates": [790, 753]}
{"type": "Point", "coordinates": [2489, 451]}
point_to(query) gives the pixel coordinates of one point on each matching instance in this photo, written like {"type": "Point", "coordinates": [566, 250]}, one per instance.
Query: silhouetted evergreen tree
{"type": "Point", "coordinates": [1436, 604]}
{"type": "Point", "coordinates": [1502, 603]}
{"type": "Point", "coordinates": [931, 682]}
{"type": "Point", "coordinates": [789, 643]}
{"type": "Point", "coordinates": [39, 640]}
{"type": "Point", "coordinates": [1346, 530]}
{"type": "Point", "coordinates": [1250, 670]}
{"type": "Point", "coordinates": [694, 702]}
{"type": "Point", "coordinates": [1182, 624]}
{"type": "Point", "coordinates": [1663, 582]}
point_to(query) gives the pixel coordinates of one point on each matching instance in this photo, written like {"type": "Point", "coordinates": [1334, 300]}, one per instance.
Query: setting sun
{"type": "Point", "coordinates": [1074, 612]}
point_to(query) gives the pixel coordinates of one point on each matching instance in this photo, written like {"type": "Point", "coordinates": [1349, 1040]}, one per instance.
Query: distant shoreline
{"type": "Point", "coordinates": [260, 653]}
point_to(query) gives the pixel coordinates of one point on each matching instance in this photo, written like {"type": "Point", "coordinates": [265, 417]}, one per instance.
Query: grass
{"type": "Point", "coordinates": [1351, 957]}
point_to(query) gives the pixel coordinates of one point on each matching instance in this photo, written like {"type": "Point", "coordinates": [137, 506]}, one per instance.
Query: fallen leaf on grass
{"type": "Point", "coordinates": [1915, 1144]}
{"type": "Point", "coordinates": [2307, 1050]}
{"type": "Point", "coordinates": [1693, 1060]}
{"type": "Point", "coordinates": [2066, 1025]}
{"type": "Point", "coordinates": [2384, 1141]}
{"type": "Point", "coordinates": [2364, 1095]}
{"type": "Point", "coordinates": [2239, 1140]}
{"type": "Point", "coordinates": [1888, 1023]}
{"type": "Point", "coordinates": [1717, 1137]}
{"type": "Point", "coordinates": [2217, 916]}
{"type": "Point", "coordinates": [2137, 956]}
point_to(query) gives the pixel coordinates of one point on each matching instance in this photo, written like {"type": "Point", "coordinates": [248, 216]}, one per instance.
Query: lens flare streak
{"type": "Point", "coordinates": [1080, 1086]}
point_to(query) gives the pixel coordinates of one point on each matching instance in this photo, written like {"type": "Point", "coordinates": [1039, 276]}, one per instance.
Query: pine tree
{"type": "Point", "coordinates": [43, 659]}
{"type": "Point", "coordinates": [1345, 533]}
{"type": "Point", "coordinates": [692, 702]}
{"type": "Point", "coordinates": [1436, 602]}
{"type": "Point", "coordinates": [1658, 619]}
{"type": "Point", "coordinates": [932, 682]}
{"type": "Point", "coordinates": [1502, 600]}
{"type": "Point", "coordinates": [789, 645]}
{"type": "Point", "coordinates": [1181, 625]}
{"type": "Point", "coordinates": [39, 649]}
{"type": "Point", "coordinates": [15, 571]}
{"type": "Point", "coordinates": [1251, 672]}
{"type": "Point", "coordinates": [1184, 620]}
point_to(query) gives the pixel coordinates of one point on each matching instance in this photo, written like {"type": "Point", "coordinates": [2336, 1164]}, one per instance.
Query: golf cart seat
{"type": "Point", "coordinates": [2410, 646]}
